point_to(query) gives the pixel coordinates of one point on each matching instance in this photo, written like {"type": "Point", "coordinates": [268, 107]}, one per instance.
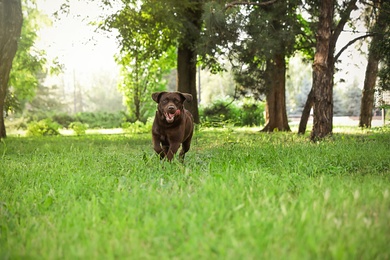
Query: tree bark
{"type": "Point", "coordinates": [367, 101]}
{"type": "Point", "coordinates": [186, 78]}
{"type": "Point", "coordinates": [306, 113]}
{"type": "Point", "coordinates": [187, 57]}
{"type": "Point", "coordinates": [11, 20]}
{"type": "Point", "coordinates": [323, 66]}
{"type": "Point", "coordinates": [322, 74]}
{"type": "Point", "coordinates": [276, 115]}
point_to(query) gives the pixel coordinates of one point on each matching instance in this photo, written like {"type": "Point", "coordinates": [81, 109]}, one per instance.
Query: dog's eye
{"type": "Point", "coordinates": [176, 101]}
{"type": "Point", "coordinates": [164, 101]}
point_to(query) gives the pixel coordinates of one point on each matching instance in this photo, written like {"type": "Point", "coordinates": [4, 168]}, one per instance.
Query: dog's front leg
{"type": "Point", "coordinates": [157, 146]}
{"type": "Point", "coordinates": [172, 150]}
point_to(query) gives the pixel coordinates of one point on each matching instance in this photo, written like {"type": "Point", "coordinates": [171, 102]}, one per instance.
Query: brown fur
{"type": "Point", "coordinates": [173, 125]}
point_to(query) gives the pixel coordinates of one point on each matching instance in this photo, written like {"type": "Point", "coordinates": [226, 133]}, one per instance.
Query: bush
{"type": "Point", "coordinates": [63, 119]}
{"type": "Point", "coordinates": [45, 127]}
{"type": "Point", "coordinates": [101, 119]}
{"type": "Point", "coordinates": [138, 127]}
{"type": "Point", "coordinates": [252, 113]}
{"type": "Point", "coordinates": [92, 119]}
{"type": "Point", "coordinates": [222, 113]}
{"type": "Point", "coordinates": [78, 127]}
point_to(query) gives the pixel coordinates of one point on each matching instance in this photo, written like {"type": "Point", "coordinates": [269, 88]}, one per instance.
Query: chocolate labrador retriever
{"type": "Point", "coordinates": [173, 124]}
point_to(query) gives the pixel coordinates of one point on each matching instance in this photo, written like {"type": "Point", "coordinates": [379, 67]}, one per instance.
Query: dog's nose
{"type": "Point", "coordinates": [171, 108]}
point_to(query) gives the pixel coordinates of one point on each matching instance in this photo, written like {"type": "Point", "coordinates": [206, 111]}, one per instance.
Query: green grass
{"type": "Point", "coordinates": [239, 195]}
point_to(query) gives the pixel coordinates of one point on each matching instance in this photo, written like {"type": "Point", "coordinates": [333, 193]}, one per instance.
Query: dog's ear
{"type": "Point", "coordinates": [186, 96]}
{"type": "Point", "coordinates": [156, 96]}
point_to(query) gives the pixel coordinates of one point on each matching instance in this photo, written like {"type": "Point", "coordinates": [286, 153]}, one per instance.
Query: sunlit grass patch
{"type": "Point", "coordinates": [240, 194]}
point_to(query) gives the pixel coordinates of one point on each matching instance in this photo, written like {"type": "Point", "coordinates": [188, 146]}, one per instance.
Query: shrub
{"type": "Point", "coordinates": [138, 127]}
{"type": "Point", "coordinates": [101, 119]}
{"type": "Point", "coordinates": [252, 113]}
{"type": "Point", "coordinates": [78, 127]}
{"type": "Point", "coordinates": [63, 119]}
{"type": "Point", "coordinates": [43, 127]}
{"type": "Point", "coordinates": [222, 113]}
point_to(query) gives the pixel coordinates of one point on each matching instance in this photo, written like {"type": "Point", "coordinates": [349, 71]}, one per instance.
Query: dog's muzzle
{"type": "Point", "coordinates": [170, 117]}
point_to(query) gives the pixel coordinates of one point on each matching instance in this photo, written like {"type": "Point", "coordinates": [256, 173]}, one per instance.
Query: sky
{"type": "Point", "coordinates": [77, 45]}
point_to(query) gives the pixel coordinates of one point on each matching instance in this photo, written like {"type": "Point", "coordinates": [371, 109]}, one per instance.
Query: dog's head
{"type": "Point", "coordinates": [170, 104]}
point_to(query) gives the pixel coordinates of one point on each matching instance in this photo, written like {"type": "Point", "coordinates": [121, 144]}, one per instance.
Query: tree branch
{"type": "Point", "coordinates": [344, 18]}
{"type": "Point", "coordinates": [235, 3]}
{"type": "Point", "coordinates": [350, 43]}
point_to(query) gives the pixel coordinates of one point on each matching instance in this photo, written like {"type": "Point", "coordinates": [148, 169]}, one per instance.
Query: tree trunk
{"type": "Point", "coordinates": [306, 113]}
{"type": "Point", "coordinates": [323, 66]}
{"type": "Point", "coordinates": [137, 102]}
{"type": "Point", "coordinates": [11, 20]}
{"type": "Point", "coordinates": [187, 57]}
{"type": "Point", "coordinates": [323, 74]}
{"type": "Point", "coordinates": [367, 104]}
{"type": "Point", "coordinates": [186, 78]}
{"type": "Point", "coordinates": [276, 114]}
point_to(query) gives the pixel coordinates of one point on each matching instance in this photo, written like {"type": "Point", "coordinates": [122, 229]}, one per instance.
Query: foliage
{"type": "Point", "coordinates": [63, 119]}
{"type": "Point", "coordinates": [252, 113]}
{"type": "Point", "coordinates": [140, 77]}
{"type": "Point", "coordinates": [149, 33]}
{"type": "Point", "coordinates": [101, 119]}
{"type": "Point", "coordinates": [150, 27]}
{"type": "Point", "coordinates": [382, 48]}
{"type": "Point", "coordinates": [384, 72]}
{"type": "Point", "coordinates": [45, 127]}
{"type": "Point", "coordinates": [27, 66]}
{"type": "Point", "coordinates": [12, 103]}
{"type": "Point", "coordinates": [239, 195]}
{"type": "Point", "coordinates": [220, 29]}
{"type": "Point", "coordinates": [92, 119]}
{"type": "Point", "coordinates": [222, 113]}
{"type": "Point", "coordinates": [78, 128]}
{"type": "Point", "coordinates": [138, 127]}
{"type": "Point", "coordinates": [249, 36]}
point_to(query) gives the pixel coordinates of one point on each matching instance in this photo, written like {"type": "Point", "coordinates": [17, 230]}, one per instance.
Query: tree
{"type": "Point", "coordinates": [140, 78]}
{"type": "Point", "coordinates": [28, 64]}
{"type": "Point", "coordinates": [323, 67]}
{"type": "Point", "coordinates": [374, 56]}
{"type": "Point", "coordinates": [259, 38]}
{"type": "Point", "coordinates": [11, 20]}
{"type": "Point", "coordinates": [187, 54]}
{"type": "Point", "coordinates": [321, 95]}
{"type": "Point", "coordinates": [156, 26]}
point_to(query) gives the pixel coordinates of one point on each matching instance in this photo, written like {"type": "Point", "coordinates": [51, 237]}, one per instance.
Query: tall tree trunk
{"type": "Point", "coordinates": [276, 96]}
{"type": "Point", "coordinates": [323, 66]}
{"type": "Point", "coordinates": [187, 57]}
{"type": "Point", "coordinates": [186, 78]}
{"type": "Point", "coordinates": [368, 92]}
{"type": "Point", "coordinates": [11, 20]}
{"type": "Point", "coordinates": [306, 113]}
{"type": "Point", "coordinates": [322, 76]}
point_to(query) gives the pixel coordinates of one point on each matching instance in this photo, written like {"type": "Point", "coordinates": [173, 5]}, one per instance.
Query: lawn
{"type": "Point", "coordinates": [241, 194]}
